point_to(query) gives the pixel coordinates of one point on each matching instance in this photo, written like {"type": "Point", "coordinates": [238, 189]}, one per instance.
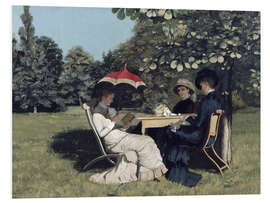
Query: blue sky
{"type": "Point", "coordinates": [97, 30]}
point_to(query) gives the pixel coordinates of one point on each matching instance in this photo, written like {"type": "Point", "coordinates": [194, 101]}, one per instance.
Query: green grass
{"type": "Point", "coordinates": [50, 149]}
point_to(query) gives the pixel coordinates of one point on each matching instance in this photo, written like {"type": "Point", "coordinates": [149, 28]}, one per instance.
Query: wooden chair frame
{"type": "Point", "coordinates": [105, 155]}
{"type": "Point", "coordinates": [214, 122]}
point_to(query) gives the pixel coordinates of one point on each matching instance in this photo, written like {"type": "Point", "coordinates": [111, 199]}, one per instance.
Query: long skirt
{"type": "Point", "coordinates": [176, 156]}
{"type": "Point", "coordinates": [177, 159]}
{"type": "Point", "coordinates": [140, 161]}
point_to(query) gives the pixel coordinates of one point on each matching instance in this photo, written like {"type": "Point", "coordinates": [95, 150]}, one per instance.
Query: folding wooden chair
{"type": "Point", "coordinates": [104, 154]}
{"type": "Point", "coordinates": [208, 146]}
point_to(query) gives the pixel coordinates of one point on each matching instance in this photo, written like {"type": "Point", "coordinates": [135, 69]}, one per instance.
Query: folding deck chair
{"type": "Point", "coordinates": [208, 146]}
{"type": "Point", "coordinates": [104, 154]}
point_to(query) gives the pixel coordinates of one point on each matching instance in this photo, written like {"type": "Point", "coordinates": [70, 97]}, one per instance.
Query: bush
{"type": "Point", "coordinates": [237, 101]}
{"type": "Point", "coordinates": [52, 109]}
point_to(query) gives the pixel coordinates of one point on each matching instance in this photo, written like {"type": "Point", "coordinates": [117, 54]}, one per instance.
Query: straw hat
{"type": "Point", "coordinates": [185, 83]}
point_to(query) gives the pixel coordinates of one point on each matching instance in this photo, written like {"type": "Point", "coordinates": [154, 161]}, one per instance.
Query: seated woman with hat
{"type": "Point", "coordinates": [186, 91]}
{"type": "Point", "coordinates": [180, 141]}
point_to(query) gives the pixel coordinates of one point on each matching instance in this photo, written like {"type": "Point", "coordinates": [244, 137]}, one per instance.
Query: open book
{"type": "Point", "coordinates": [128, 118]}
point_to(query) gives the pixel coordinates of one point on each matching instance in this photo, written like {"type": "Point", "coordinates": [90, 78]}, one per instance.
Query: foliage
{"type": "Point", "coordinates": [37, 65]}
{"type": "Point", "coordinates": [135, 52]}
{"type": "Point", "coordinates": [237, 101]}
{"type": "Point", "coordinates": [225, 31]}
{"type": "Point", "coordinates": [196, 39]}
{"type": "Point", "coordinates": [108, 64]}
{"type": "Point", "coordinates": [247, 76]}
{"type": "Point", "coordinates": [78, 77]}
{"type": "Point", "coordinates": [254, 82]}
{"type": "Point", "coordinates": [22, 74]}
{"type": "Point", "coordinates": [50, 72]}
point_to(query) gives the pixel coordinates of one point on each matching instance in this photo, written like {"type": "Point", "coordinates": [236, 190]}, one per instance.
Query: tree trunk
{"type": "Point", "coordinates": [223, 146]}
{"type": "Point", "coordinates": [226, 151]}
{"type": "Point", "coordinates": [35, 109]}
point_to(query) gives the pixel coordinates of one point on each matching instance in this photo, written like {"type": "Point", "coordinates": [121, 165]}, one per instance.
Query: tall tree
{"type": "Point", "coordinates": [35, 74]}
{"type": "Point", "coordinates": [79, 75]}
{"type": "Point", "coordinates": [23, 74]}
{"type": "Point", "coordinates": [108, 64]}
{"type": "Point", "coordinates": [48, 74]}
{"type": "Point", "coordinates": [16, 54]}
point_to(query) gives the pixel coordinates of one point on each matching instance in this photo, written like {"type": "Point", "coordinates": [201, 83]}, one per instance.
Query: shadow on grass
{"type": "Point", "coordinates": [80, 146]}
{"type": "Point", "coordinates": [198, 160]}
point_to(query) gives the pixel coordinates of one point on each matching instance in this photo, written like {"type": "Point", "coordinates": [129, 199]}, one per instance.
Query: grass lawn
{"type": "Point", "coordinates": [49, 149]}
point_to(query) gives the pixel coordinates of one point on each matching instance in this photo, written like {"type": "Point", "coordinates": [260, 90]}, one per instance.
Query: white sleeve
{"type": "Point", "coordinates": [102, 124]}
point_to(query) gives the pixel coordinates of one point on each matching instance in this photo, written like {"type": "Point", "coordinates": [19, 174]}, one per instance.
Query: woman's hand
{"type": "Point", "coordinates": [126, 126]}
{"type": "Point", "coordinates": [175, 126]}
{"type": "Point", "coordinates": [115, 119]}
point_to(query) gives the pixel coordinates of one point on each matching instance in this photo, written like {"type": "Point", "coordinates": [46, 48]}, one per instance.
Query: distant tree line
{"type": "Point", "coordinates": [44, 81]}
{"type": "Point", "coordinates": [167, 44]}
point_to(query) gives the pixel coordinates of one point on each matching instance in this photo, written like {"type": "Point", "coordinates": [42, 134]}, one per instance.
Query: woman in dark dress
{"type": "Point", "coordinates": [186, 92]}
{"type": "Point", "coordinates": [180, 142]}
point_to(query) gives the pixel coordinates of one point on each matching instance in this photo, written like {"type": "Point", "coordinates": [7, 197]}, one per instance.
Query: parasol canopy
{"type": "Point", "coordinates": [123, 76]}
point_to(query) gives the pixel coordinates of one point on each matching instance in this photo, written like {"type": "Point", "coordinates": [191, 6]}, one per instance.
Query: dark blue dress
{"type": "Point", "coordinates": [177, 146]}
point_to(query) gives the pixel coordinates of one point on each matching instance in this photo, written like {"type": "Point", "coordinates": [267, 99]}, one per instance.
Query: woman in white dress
{"type": "Point", "coordinates": [141, 159]}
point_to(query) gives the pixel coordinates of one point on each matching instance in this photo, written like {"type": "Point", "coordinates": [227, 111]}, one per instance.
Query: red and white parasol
{"type": "Point", "coordinates": [123, 76]}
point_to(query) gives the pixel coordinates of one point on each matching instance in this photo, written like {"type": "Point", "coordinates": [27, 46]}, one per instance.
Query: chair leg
{"type": "Point", "coordinates": [108, 156]}
{"type": "Point", "coordinates": [111, 161]}
{"type": "Point", "coordinates": [213, 161]}
{"type": "Point", "coordinates": [225, 164]}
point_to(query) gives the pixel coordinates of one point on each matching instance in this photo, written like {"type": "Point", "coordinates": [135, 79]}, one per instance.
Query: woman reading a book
{"type": "Point", "coordinates": [141, 159]}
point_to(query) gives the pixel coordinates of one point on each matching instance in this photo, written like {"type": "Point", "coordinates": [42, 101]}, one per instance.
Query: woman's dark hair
{"type": "Point", "coordinates": [98, 95]}
{"type": "Point", "coordinates": [190, 91]}
{"type": "Point", "coordinates": [105, 93]}
{"type": "Point", "coordinates": [210, 80]}
{"type": "Point", "coordinates": [206, 75]}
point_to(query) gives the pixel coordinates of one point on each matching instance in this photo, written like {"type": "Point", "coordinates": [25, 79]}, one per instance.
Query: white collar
{"type": "Point", "coordinates": [185, 98]}
{"type": "Point", "coordinates": [211, 90]}
{"type": "Point", "coordinates": [103, 105]}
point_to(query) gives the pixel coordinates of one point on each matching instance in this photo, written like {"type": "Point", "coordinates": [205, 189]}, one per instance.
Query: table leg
{"type": "Point", "coordinates": [143, 131]}
{"type": "Point", "coordinates": [143, 128]}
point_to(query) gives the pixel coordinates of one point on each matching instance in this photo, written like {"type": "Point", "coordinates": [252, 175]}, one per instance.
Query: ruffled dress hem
{"type": "Point", "coordinates": [152, 174]}
{"type": "Point", "coordinates": [144, 175]}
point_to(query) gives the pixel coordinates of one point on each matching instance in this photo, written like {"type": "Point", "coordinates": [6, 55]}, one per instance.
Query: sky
{"type": "Point", "coordinates": [97, 30]}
